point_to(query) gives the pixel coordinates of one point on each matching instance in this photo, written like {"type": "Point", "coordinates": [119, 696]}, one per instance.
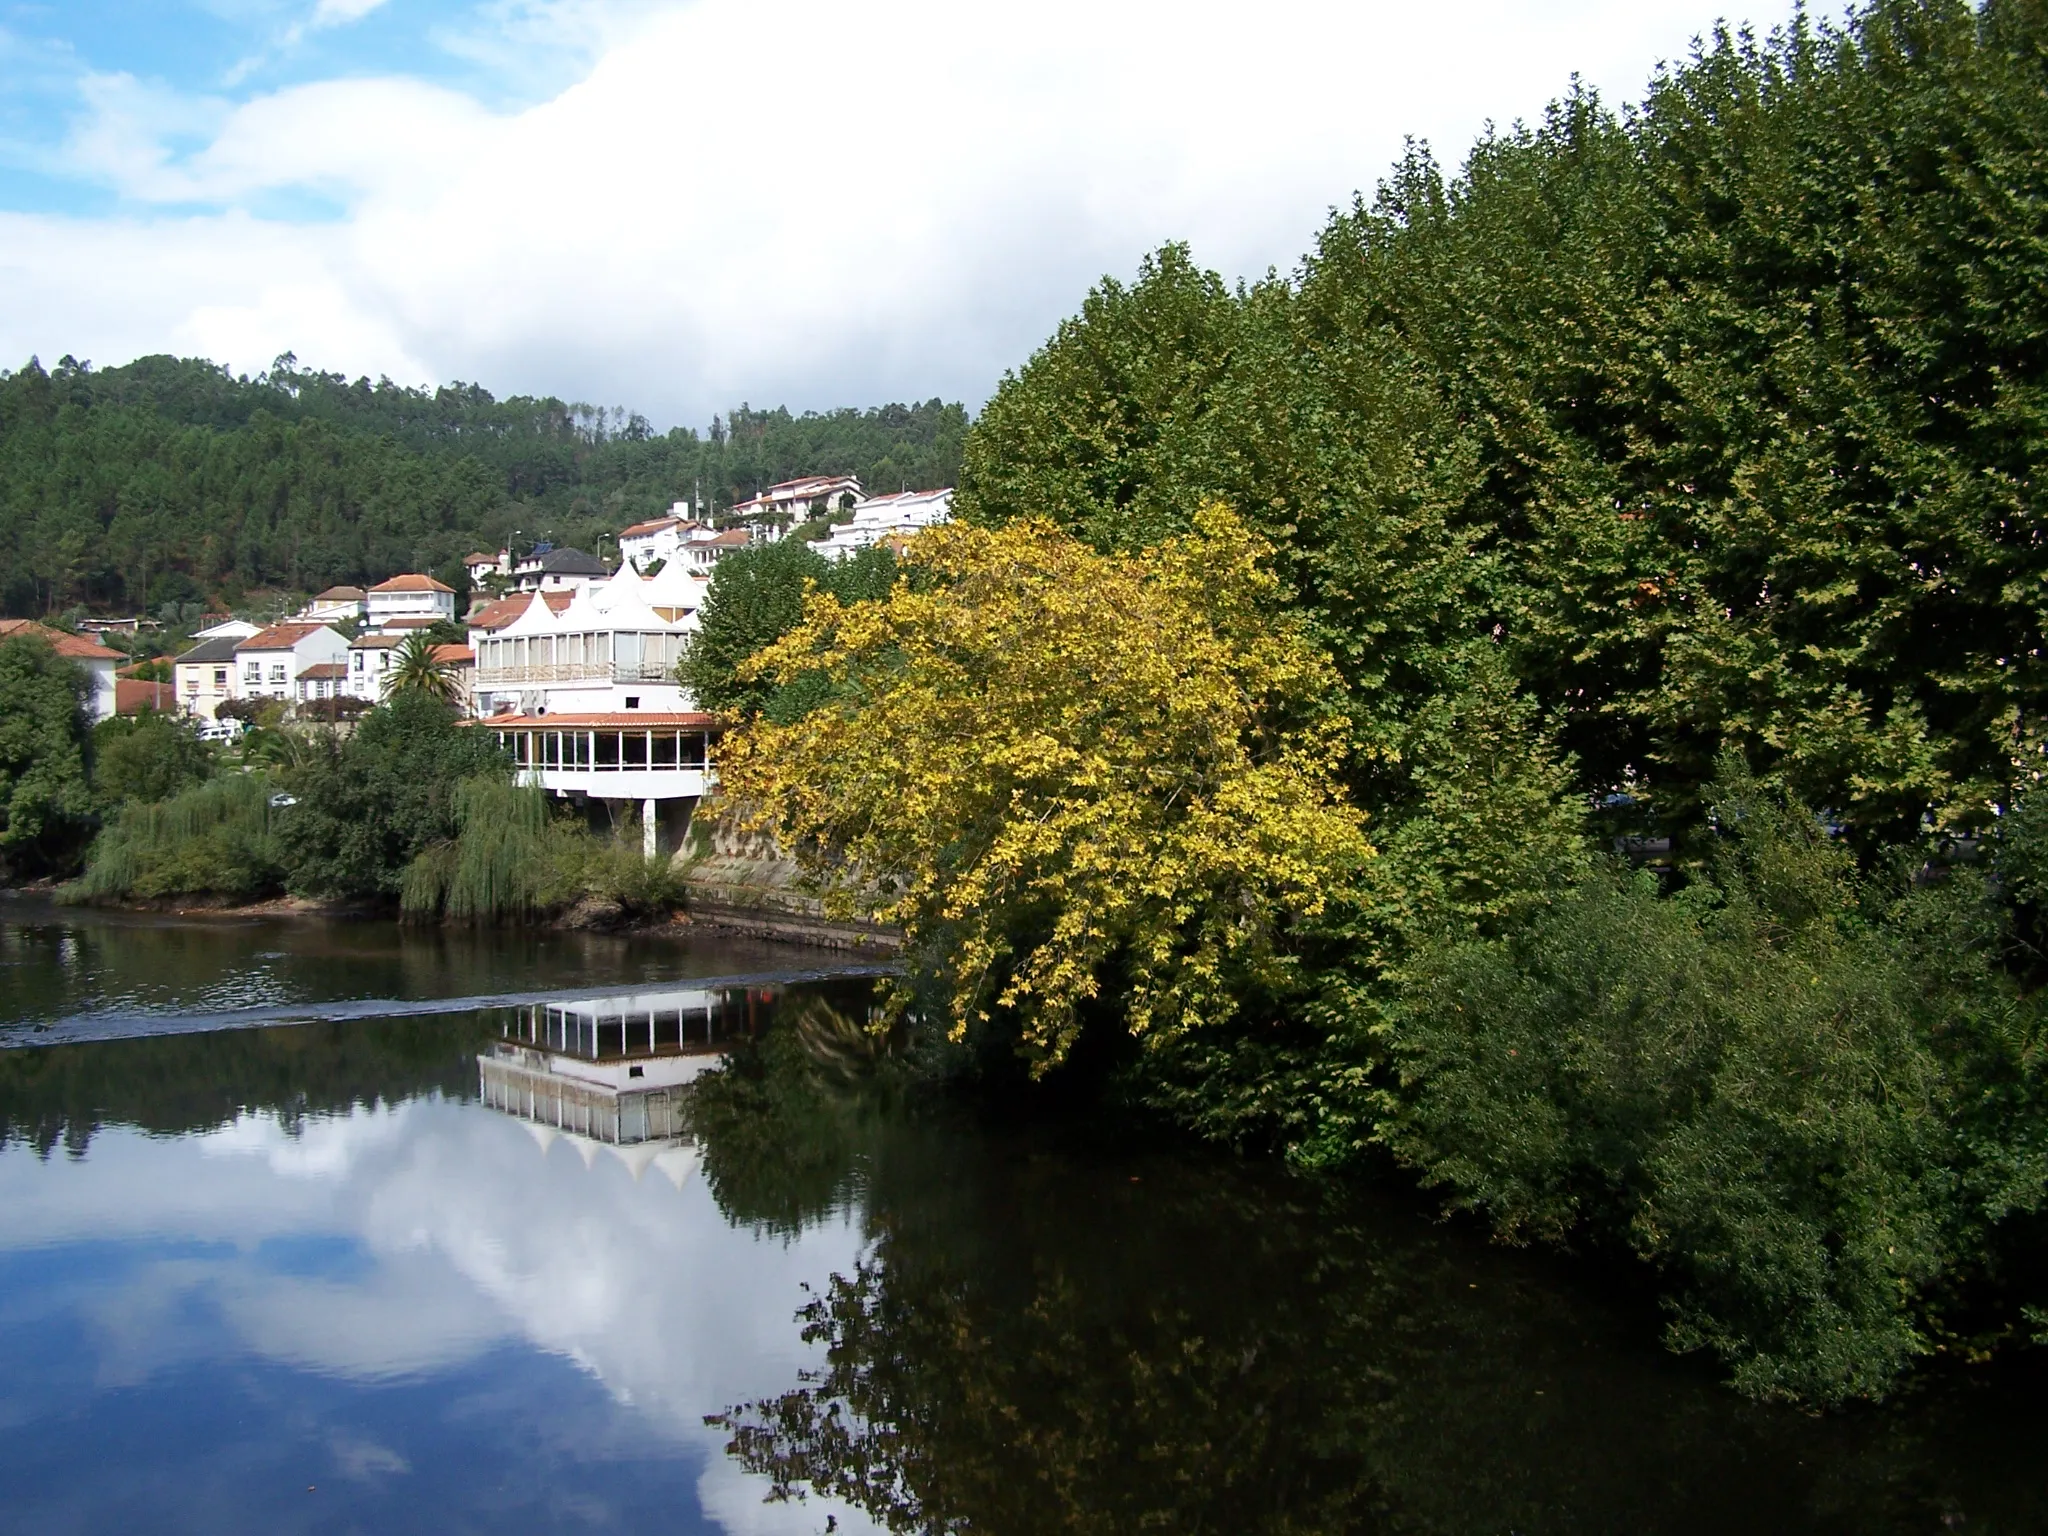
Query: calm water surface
{"type": "Point", "coordinates": [372, 1272]}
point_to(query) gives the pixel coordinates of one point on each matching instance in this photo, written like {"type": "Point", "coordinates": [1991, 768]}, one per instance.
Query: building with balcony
{"type": "Point", "coordinates": [337, 605]}
{"type": "Point", "coordinates": [558, 570]}
{"type": "Point", "coordinates": [789, 502]}
{"type": "Point", "coordinates": [204, 677]}
{"type": "Point", "coordinates": [409, 597]}
{"type": "Point", "coordinates": [583, 693]}
{"type": "Point", "coordinates": [267, 665]}
{"type": "Point", "coordinates": [883, 518]}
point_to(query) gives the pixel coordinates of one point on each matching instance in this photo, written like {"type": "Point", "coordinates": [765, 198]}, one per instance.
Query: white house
{"type": "Point", "coordinates": [885, 517]}
{"type": "Point", "coordinates": [789, 502]}
{"type": "Point", "coordinates": [658, 539]}
{"type": "Point", "coordinates": [370, 660]}
{"type": "Point", "coordinates": [267, 665]}
{"type": "Point", "coordinates": [323, 680]}
{"type": "Point", "coordinates": [410, 597]}
{"type": "Point", "coordinates": [204, 677]}
{"type": "Point", "coordinates": [232, 629]}
{"type": "Point", "coordinates": [584, 694]}
{"type": "Point", "coordinates": [703, 549]}
{"type": "Point", "coordinates": [337, 605]}
{"type": "Point", "coordinates": [558, 570]}
{"type": "Point", "coordinates": [93, 659]}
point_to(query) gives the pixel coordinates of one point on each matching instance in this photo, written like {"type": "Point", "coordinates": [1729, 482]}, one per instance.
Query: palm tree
{"type": "Point", "coordinates": [416, 670]}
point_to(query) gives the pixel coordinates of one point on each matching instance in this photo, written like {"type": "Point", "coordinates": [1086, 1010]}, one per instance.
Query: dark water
{"type": "Point", "coordinates": [303, 1278]}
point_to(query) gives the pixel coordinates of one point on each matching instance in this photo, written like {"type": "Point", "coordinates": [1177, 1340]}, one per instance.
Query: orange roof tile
{"type": "Point", "coordinates": [71, 647]}
{"type": "Point", "coordinates": [281, 637]}
{"type": "Point", "coordinates": [502, 612]}
{"type": "Point", "coordinates": [454, 656]}
{"type": "Point", "coordinates": [412, 582]}
{"type": "Point", "coordinates": [132, 696]}
{"type": "Point", "coordinates": [323, 669]}
{"type": "Point", "coordinates": [654, 525]}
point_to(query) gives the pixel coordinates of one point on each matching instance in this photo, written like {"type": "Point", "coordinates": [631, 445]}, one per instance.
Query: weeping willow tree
{"type": "Point", "coordinates": [218, 837]}
{"type": "Point", "coordinates": [510, 859]}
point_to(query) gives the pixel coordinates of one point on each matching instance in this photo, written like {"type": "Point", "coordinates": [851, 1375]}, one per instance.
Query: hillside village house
{"type": "Point", "coordinates": [268, 665]}
{"type": "Point", "coordinates": [203, 678]}
{"type": "Point", "coordinates": [558, 570]}
{"type": "Point", "coordinates": [370, 660]}
{"type": "Point", "coordinates": [789, 502]}
{"type": "Point", "coordinates": [410, 597]}
{"type": "Point", "coordinates": [887, 517]}
{"type": "Point", "coordinates": [93, 659]}
{"type": "Point", "coordinates": [658, 539]}
{"type": "Point", "coordinates": [584, 694]}
{"type": "Point", "coordinates": [224, 627]}
{"type": "Point", "coordinates": [337, 605]}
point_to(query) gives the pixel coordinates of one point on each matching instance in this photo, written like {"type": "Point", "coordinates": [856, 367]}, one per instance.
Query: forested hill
{"type": "Point", "coordinates": [170, 479]}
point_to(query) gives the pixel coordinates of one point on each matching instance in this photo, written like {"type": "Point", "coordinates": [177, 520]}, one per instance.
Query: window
{"type": "Point", "coordinates": [277, 671]}
{"type": "Point", "coordinates": [359, 661]}
{"type": "Point", "coordinates": [191, 684]}
{"type": "Point", "coordinates": [253, 672]}
{"type": "Point", "coordinates": [632, 701]}
{"type": "Point", "coordinates": [220, 680]}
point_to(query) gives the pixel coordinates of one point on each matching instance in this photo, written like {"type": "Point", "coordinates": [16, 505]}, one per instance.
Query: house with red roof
{"type": "Point", "coordinates": [411, 596]}
{"type": "Point", "coordinates": [92, 658]}
{"type": "Point", "coordinates": [268, 664]}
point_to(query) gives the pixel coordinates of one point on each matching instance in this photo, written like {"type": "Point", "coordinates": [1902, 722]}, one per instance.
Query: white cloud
{"type": "Point", "coordinates": [339, 13]}
{"type": "Point", "coordinates": [801, 200]}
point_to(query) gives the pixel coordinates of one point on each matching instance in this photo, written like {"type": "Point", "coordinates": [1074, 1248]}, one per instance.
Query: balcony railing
{"type": "Point", "coordinates": [574, 672]}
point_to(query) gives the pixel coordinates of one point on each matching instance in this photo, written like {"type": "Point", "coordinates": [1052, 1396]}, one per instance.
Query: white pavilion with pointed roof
{"type": "Point", "coordinates": [586, 697]}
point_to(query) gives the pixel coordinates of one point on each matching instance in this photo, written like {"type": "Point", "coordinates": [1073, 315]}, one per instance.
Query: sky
{"type": "Point", "coordinates": [682, 205]}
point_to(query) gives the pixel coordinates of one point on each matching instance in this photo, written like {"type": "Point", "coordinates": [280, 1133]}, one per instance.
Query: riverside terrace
{"type": "Point", "coordinates": [662, 760]}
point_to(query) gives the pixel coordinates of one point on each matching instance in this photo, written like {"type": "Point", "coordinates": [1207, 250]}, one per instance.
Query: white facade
{"type": "Point", "coordinates": [886, 517]}
{"type": "Point", "coordinates": [229, 629]}
{"type": "Point", "coordinates": [585, 697]}
{"type": "Point", "coordinates": [641, 545]}
{"type": "Point", "coordinates": [337, 605]}
{"type": "Point", "coordinates": [410, 597]}
{"type": "Point", "coordinates": [776, 509]}
{"type": "Point", "coordinates": [370, 660]}
{"type": "Point", "coordinates": [267, 665]}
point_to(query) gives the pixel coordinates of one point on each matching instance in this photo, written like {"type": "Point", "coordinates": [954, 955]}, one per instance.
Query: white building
{"type": "Point", "coordinates": [789, 502]}
{"type": "Point", "coordinates": [204, 677]}
{"type": "Point", "coordinates": [658, 539]}
{"type": "Point", "coordinates": [323, 680]}
{"type": "Point", "coordinates": [584, 694]}
{"type": "Point", "coordinates": [268, 664]}
{"type": "Point", "coordinates": [232, 629]}
{"type": "Point", "coordinates": [370, 660]}
{"type": "Point", "coordinates": [410, 597]}
{"type": "Point", "coordinates": [337, 605]}
{"type": "Point", "coordinates": [93, 659]}
{"type": "Point", "coordinates": [699, 553]}
{"type": "Point", "coordinates": [887, 517]}
{"type": "Point", "coordinates": [558, 570]}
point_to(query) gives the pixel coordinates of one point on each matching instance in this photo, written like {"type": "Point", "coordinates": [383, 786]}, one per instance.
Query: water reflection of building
{"type": "Point", "coordinates": [610, 1070]}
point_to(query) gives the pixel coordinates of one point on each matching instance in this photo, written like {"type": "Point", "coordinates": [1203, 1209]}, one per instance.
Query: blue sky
{"type": "Point", "coordinates": [681, 205]}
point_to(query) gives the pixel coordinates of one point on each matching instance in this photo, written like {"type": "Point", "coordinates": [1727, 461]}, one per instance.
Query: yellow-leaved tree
{"type": "Point", "coordinates": [1065, 774]}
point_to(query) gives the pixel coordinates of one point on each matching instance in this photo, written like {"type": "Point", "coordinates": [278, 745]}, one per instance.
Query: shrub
{"type": "Point", "coordinates": [148, 757]}
{"type": "Point", "coordinates": [1806, 1097]}
{"type": "Point", "coordinates": [509, 859]}
{"type": "Point", "coordinates": [220, 837]}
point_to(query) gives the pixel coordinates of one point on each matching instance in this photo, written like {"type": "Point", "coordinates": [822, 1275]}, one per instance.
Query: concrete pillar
{"type": "Point", "coordinates": [650, 829]}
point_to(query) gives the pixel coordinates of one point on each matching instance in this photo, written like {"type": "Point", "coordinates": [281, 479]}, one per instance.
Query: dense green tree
{"type": "Point", "coordinates": [46, 809]}
{"type": "Point", "coordinates": [755, 598]}
{"type": "Point", "coordinates": [166, 480]}
{"type": "Point", "coordinates": [147, 757]}
{"type": "Point", "coordinates": [367, 807]}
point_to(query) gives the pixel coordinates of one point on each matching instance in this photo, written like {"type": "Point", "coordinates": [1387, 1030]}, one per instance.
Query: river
{"type": "Point", "coordinates": [289, 1240]}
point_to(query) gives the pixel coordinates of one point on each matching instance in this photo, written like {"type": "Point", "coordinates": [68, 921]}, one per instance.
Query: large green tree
{"type": "Point", "coordinates": [46, 806]}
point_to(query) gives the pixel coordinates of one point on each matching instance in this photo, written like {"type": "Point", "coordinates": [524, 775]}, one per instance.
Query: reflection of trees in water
{"type": "Point", "coordinates": [181, 1083]}
{"type": "Point", "coordinates": [1049, 1340]}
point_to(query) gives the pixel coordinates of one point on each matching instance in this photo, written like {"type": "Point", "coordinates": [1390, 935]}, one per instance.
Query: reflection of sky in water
{"type": "Point", "coordinates": [417, 1310]}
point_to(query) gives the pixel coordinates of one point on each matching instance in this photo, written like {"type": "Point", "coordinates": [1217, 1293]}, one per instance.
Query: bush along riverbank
{"type": "Point", "coordinates": [1547, 695]}
{"type": "Point", "coordinates": [409, 813]}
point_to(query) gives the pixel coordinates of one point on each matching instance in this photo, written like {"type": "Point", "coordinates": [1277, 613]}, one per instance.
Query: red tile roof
{"type": "Point", "coordinates": [655, 525]}
{"type": "Point", "coordinates": [281, 637]}
{"type": "Point", "coordinates": [650, 718]}
{"type": "Point", "coordinates": [132, 696]}
{"type": "Point", "coordinates": [732, 538]}
{"type": "Point", "coordinates": [411, 583]}
{"type": "Point", "coordinates": [340, 595]}
{"type": "Point", "coordinates": [409, 621]}
{"type": "Point", "coordinates": [502, 612]}
{"type": "Point", "coordinates": [377, 642]}
{"type": "Point", "coordinates": [479, 559]}
{"type": "Point", "coordinates": [454, 656]}
{"type": "Point", "coordinates": [70, 646]}
{"type": "Point", "coordinates": [323, 669]}
{"type": "Point", "coordinates": [558, 600]}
